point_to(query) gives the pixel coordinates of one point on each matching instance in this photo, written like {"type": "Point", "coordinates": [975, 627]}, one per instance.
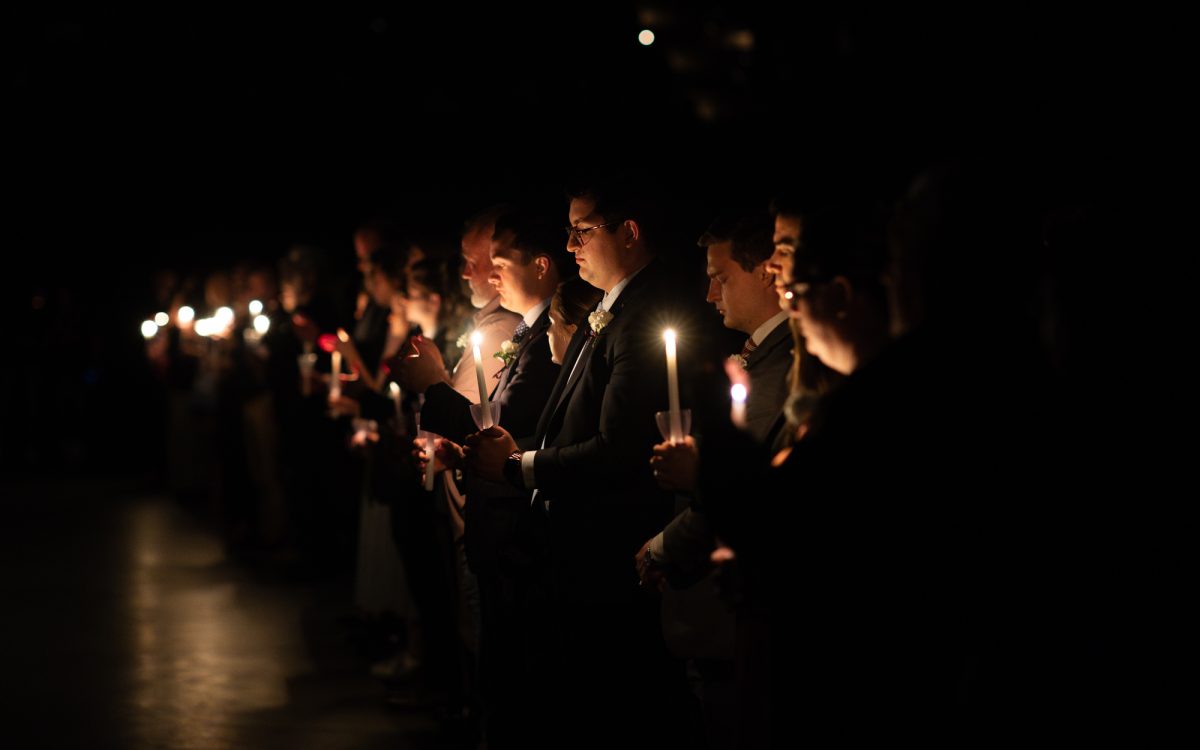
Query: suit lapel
{"type": "Point", "coordinates": [572, 353]}
{"type": "Point", "coordinates": [584, 345]}
{"type": "Point", "coordinates": [777, 337]}
{"type": "Point", "coordinates": [537, 329]}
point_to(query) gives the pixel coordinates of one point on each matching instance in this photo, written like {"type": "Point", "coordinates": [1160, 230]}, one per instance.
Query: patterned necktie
{"type": "Point", "coordinates": [748, 348]}
{"type": "Point", "coordinates": [519, 334]}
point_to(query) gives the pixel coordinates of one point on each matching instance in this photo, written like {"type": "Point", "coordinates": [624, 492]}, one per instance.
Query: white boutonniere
{"type": "Point", "coordinates": [461, 342]}
{"type": "Point", "coordinates": [598, 320]}
{"type": "Point", "coordinates": [507, 353]}
{"type": "Point", "coordinates": [739, 360]}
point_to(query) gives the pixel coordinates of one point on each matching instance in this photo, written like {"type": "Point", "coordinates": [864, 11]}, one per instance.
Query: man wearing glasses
{"type": "Point", "coordinates": [599, 658]}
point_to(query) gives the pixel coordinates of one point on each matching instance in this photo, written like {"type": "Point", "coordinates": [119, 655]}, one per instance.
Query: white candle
{"type": "Point", "coordinates": [395, 390]}
{"type": "Point", "coordinates": [673, 387]}
{"type": "Point", "coordinates": [738, 411]}
{"type": "Point", "coordinates": [335, 380]}
{"type": "Point", "coordinates": [485, 410]}
{"type": "Point", "coordinates": [429, 448]}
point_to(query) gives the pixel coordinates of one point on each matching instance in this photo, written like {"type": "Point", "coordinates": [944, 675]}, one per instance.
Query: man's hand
{"type": "Point", "coordinates": [419, 366]}
{"type": "Point", "coordinates": [344, 406]}
{"type": "Point", "coordinates": [649, 575]}
{"type": "Point", "coordinates": [675, 465]}
{"type": "Point", "coordinates": [446, 455]}
{"type": "Point", "coordinates": [488, 450]}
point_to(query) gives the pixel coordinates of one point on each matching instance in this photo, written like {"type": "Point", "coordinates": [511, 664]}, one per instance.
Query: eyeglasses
{"type": "Point", "coordinates": [580, 234]}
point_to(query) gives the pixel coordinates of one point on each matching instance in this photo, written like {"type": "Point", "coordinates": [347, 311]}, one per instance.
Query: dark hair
{"type": "Point", "coordinates": [303, 266]}
{"type": "Point", "coordinates": [845, 240]}
{"type": "Point", "coordinates": [619, 198]}
{"type": "Point", "coordinates": [485, 217]}
{"type": "Point", "coordinates": [432, 274]}
{"type": "Point", "coordinates": [386, 231]}
{"type": "Point", "coordinates": [751, 235]}
{"type": "Point", "coordinates": [390, 261]}
{"type": "Point", "coordinates": [789, 204]}
{"type": "Point", "coordinates": [536, 234]}
{"type": "Point", "coordinates": [574, 299]}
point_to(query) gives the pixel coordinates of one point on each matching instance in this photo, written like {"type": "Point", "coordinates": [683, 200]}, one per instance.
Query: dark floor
{"type": "Point", "coordinates": [124, 625]}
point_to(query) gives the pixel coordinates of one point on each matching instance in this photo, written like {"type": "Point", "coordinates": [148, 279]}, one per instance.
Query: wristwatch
{"type": "Point", "coordinates": [512, 470]}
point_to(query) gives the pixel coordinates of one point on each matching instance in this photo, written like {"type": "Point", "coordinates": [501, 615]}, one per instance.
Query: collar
{"type": "Point", "coordinates": [764, 330]}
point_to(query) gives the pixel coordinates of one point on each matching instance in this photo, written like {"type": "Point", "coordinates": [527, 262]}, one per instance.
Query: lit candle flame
{"type": "Point", "coordinates": [262, 324]}
{"type": "Point", "coordinates": [186, 315]}
{"type": "Point", "coordinates": [161, 319]}
{"type": "Point", "coordinates": [256, 307]}
{"type": "Point", "coordinates": [149, 328]}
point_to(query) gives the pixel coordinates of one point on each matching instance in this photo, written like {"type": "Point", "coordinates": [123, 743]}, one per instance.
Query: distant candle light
{"type": "Point", "coordinates": [646, 37]}
{"type": "Point", "coordinates": [262, 324]}
{"type": "Point", "coordinates": [186, 315]}
{"type": "Point", "coordinates": [149, 328]}
{"type": "Point", "coordinates": [161, 319]}
{"type": "Point", "coordinates": [256, 307]}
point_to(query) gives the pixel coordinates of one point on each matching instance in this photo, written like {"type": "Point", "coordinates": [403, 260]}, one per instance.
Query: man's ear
{"type": "Point", "coordinates": [840, 293]}
{"type": "Point", "coordinates": [543, 265]}
{"type": "Point", "coordinates": [632, 231]}
{"type": "Point", "coordinates": [766, 279]}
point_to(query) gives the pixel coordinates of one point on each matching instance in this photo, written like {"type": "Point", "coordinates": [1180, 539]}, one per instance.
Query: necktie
{"type": "Point", "coordinates": [748, 348]}
{"type": "Point", "coordinates": [519, 334]}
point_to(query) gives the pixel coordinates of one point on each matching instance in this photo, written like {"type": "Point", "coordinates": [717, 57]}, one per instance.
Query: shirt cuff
{"type": "Point", "coordinates": [527, 469]}
{"type": "Point", "coordinates": [655, 550]}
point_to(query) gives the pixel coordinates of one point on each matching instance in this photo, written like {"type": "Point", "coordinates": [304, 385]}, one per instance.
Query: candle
{"type": "Point", "coordinates": [185, 316]}
{"type": "Point", "coordinates": [255, 307]}
{"type": "Point", "coordinates": [308, 360]}
{"type": "Point", "coordinates": [395, 390]}
{"type": "Point", "coordinates": [673, 387]}
{"type": "Point", "coordinates": [738, 412]}
{"type": "Point", "coordinates": [485, 410]}
{"type": "Point", "coordinates": [429, 449]}
{"type": "Point", "coordinates": [161, 319]}
{"type": "Point", "coordinates": [335, 380]}
{"type": "Point", "coordinates": [149, 329]}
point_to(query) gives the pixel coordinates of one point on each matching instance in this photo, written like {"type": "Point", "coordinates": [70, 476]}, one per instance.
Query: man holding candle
{"type": "Point", "coordinates": [493, 323]}
{"type": "Point", "coordinates": [528, 260]}
{"type": "Point", "coordinates": [697, 623]}
{"type": "Point", "coordinates": [601, 662]}
{"type": "Point", "coordinates": [417, 374]}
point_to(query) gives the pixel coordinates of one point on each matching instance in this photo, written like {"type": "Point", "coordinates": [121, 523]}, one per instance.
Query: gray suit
{"type": "Point", "coordinates": [694, 619]}
{"type": "Point", "coordinates": [768, 366]}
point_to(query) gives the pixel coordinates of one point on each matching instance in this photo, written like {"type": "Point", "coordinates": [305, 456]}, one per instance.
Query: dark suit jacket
{"type": "Point", "coordinates": [688, 540]}
{"type": "Point", "coordinates": [492, 511]}
{"type": "Point", "coordinates": [521, 392]}
{"type": "Point", "coordinates": [598, 429]}
{"type": "Point", "coordinates": [768, 366]}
